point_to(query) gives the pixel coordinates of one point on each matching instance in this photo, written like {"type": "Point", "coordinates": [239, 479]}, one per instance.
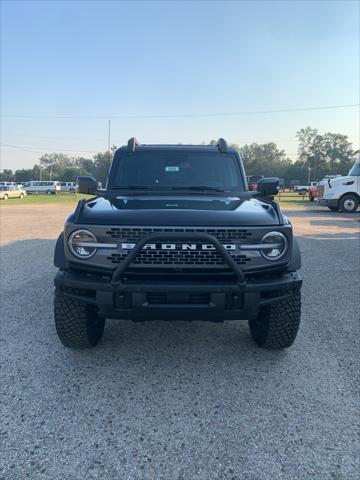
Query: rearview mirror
{"type": "Point", "coordinates": [87, 185]}
{"type": "Point", "coordinates": [268, 187]}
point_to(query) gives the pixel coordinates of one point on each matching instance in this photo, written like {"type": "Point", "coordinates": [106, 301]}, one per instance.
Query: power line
{"type": "Point", "coordinates": [183, 115]}
{"type": "Point", "coordinates": [27, 148]}
{"type": "Point", "coordinates": [97, 140]}
{"type": "Point", "coordinates": [30, 148]}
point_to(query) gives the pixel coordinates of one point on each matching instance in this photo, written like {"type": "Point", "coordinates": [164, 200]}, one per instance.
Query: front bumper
{"type": "Point", "coordinates": [174, 300]}
{"type": "Point", "coordinates": [328, 202]}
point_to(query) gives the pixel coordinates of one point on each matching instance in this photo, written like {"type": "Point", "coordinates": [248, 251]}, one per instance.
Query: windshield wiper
{"type": "Point", "coordinates": [133, 187]}
{"type": "Point", "coordinates": [199, 188]}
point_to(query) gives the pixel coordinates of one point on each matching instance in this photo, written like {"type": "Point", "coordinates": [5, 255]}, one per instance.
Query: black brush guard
{"type": "Point", "coordinates": [118, 275]}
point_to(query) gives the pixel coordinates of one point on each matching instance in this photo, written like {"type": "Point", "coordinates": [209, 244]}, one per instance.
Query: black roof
{"type": "Point", "coordinates": [223, 148]}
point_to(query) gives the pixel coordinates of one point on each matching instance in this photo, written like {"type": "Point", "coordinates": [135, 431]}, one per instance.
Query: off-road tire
{"type": "Point", "coordinates": [348, 203]}
{"type": "Point", "coordinates": [77, 324]}
{"type": "Point", "coordinates": [277, 324]}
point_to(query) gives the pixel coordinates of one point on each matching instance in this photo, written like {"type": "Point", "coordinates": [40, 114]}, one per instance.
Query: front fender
{"type": "Point", "coordinates": [59, 253]}
{"type": "Point", "coordinates": [295, 262]}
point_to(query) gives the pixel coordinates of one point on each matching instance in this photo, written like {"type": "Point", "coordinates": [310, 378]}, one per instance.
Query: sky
{"type": "Point", "coordinates": [159, 64]}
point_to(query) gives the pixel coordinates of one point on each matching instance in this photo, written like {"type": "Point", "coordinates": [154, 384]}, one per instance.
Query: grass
{"type": "Point", "coordinates": [62, 199]}
{"type": "Point", "coordinates": [286, 199]}
{"type": "Point", "coordinates": [293, 200]}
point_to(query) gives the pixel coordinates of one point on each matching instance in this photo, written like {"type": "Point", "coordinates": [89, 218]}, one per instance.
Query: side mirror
{"type": "Point", "coordinates": [87, 185]}
{"type": "Point", "coordinates": [268, 187]}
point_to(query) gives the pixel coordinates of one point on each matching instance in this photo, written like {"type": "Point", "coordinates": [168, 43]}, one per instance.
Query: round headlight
{"type": "Point", "coordinates": [278, 245]}
{"type": "Point", "coordinates": [78, 241]}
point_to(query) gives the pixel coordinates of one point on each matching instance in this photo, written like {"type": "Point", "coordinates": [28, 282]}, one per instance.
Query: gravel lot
{"type": "Point", "coordinates": [183, 400]}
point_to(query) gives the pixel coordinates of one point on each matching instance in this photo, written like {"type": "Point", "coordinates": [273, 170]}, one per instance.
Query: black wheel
{"type": "Point", "coordinates": [277, 324]}
{"type": "Point", "coordinates": [333, 209]}
{"type": "Point", "coordinates": [311, 198]}
{"type": "Point", "coordinates": [77, 324]}
{"type": "Point", "coordinates": [348, 203]}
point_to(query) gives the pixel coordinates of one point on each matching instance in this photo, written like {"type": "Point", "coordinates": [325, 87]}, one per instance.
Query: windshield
{"type": "Point", "coordinates": [355, 171]}
{"type": "Point", "coordinates": [177, 170]}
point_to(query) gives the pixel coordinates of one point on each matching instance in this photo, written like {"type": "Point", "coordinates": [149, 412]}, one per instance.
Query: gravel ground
{"type": "Point", "coordinates": [183, 400]}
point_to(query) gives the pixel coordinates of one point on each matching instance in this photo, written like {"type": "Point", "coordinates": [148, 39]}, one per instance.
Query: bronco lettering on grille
{"type": "Point", "coordinates": [178, 246]}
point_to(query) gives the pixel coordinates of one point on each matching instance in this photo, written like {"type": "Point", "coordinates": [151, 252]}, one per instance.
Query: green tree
{"type": "Point", "coordinates": [102, 162]}
{"type": "Point", "coordinates": [6, 175]}
{"type": "Point", "coordinates": [52, 165]}
{"type": "Point", "coordinates": [338, 152]}
{"type": "Point", "coordinates": [265, 159]}
{"type": "Point", "coordinates": [24, 175]}
{"type": "Point", "coordinates": [330, 153]}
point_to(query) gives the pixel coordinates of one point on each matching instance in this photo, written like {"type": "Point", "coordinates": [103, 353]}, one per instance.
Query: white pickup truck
{"type": "Point", "coordinates": [303, 189]}
{"type": "Point", "coordinates": [342, 193]}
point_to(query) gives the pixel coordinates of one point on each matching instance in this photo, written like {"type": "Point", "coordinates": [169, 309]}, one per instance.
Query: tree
{"type": "Point", "coordinates": [327, 154]}
{"type": "Point", "coordinates": [102, 163]}
{"type": "Point", "coordinates": [338, 152]}
{"type": "Point", "coordinates": [24, 175]}
{"type": "Point", "coordinates": [6, 175]}
{"type": "Point", "coordinates": [265, 159]}
{"type": "Point", "coordinates": [54, 164]}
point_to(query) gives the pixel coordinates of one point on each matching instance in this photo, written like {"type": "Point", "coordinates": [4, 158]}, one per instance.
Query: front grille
{"type": "Point", "coordinates": [134, 234]}
{"type": "Point", "coordinates": [178, 257]}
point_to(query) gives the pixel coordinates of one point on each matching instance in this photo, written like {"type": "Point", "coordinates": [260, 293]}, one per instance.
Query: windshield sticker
{"type": "Point", "coordinates": [172, 169]}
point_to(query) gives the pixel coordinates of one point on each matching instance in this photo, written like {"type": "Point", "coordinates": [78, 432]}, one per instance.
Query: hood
{"type": "Point", "coordinates": [337, 181]}
{"type": "Point", "coordinates": [178, 210]}
{"type": "Point", "coordinates": [341, 180]}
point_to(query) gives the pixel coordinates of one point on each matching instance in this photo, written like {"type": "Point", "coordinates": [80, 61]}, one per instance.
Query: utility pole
{"type": "Point", "coordinates": [109, 137]}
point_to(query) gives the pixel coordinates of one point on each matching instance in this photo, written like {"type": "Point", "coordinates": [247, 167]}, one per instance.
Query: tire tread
{"type": "Point", "coordinates": [280, 321]}
{"type": "Point", "coordinates": [72, 322]}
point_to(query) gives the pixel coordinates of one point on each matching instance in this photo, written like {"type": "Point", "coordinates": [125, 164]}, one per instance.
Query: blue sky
{"type": "Point", "coordinates": [159, 58]}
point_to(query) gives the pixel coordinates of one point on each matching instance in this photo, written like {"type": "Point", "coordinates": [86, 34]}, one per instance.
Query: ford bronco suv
{"type": "Point", "coordinates": [177, 235]}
